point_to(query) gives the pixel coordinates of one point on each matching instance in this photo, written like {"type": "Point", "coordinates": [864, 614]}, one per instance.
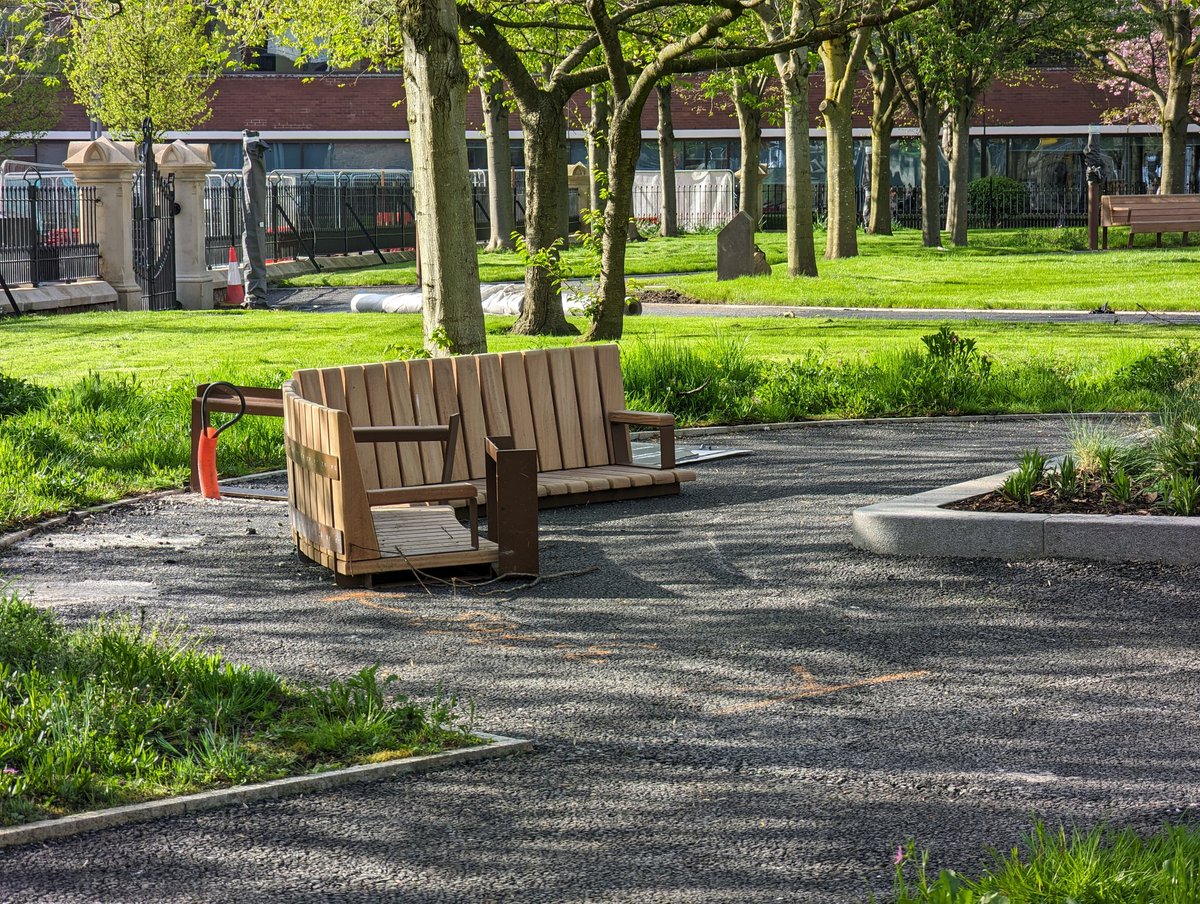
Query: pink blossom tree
{"type": "Point", "coordinates": [1150, 60]}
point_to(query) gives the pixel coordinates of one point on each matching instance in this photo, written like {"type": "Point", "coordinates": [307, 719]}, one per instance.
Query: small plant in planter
{"type": "Point", "coordinates": [1065, 480]}
{"type": "Point", "coordinates": [1120, 487]}
{"type": "Point", "coordinates": [1182, 494]}
{"type": "Point", "coordinates": [1020, 484]}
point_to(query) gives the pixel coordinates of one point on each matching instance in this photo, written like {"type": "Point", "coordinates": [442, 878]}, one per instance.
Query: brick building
{"type": "Point", "coordinates": [1032, 131]}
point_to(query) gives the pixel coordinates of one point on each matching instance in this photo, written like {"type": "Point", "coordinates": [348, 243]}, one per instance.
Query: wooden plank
{"type": "Point", "coordinates": [612, 395]}
{"type": "Point", "coordinates": [310, 384]}
{"type": "Point", "coordinates": [491, 390]}
{"type": "Point", "coordinates": [333, 389]}
{"type": "Point", "coordinates": [516, 395]}
{"type": "Point", "coordinates": [400, 393]}
{"type": "Point", "coordinates": [591, 407]}
{"type": "Point", "coordinates": [566, 407]}
{"type": "Point", "coordinates": [359, 410]}
{"type": "Point", "coordinates": [541, 404]}
{"type": "Point", "coordinates": [420, 378]}
{"type": "Point", "coordinates": [447, 404]}
{"type": "Point", "coordinates": [311, 459]}
{"type": "Point", "coordinates": [470, 405]}
{"type": "Point", "coordinates": [323, 501]}
{"type": "Point", "coordinates": [387, 455]}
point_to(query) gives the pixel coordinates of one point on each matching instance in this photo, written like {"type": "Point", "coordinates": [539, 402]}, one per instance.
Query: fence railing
{"type": "Point", "coordinates": [342, 213]}
{"type": "Point", "coordinates": [47, 232]}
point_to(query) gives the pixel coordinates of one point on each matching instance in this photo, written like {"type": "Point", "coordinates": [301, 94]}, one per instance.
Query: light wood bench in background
{"type": "Point", "coordinates": [1150, 214]}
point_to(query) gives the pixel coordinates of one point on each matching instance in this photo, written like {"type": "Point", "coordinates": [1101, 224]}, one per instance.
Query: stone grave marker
{"type": "Point", "coordinates": [735, 248]}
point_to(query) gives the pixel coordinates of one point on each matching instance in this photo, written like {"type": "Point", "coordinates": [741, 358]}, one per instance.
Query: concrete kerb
{"type": "Point", "coordinates": [49, 829]}
{"type": "Point", "coordinates": [918, 525]}
{"type": "Point", "coordinates": [25, 533]}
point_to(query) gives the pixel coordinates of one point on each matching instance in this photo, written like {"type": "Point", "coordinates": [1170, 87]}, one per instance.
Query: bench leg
{"type": "Point", "coordinates": [1130, 238]}
{"type": "Point", "coordinates": [1158, 240]}
{"type": "Point", "coordinates": [1105, 238]}
{"type": "Point", "coordinates": [1185, 238]}
{"type": "Point", "coordinates": [512, 507]}
{"type": "Point", "coordinates": [193, 474]}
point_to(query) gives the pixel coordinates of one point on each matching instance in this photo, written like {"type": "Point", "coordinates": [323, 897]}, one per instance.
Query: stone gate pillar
{"type": "Point", "coordinates": [189, 163]}
{"type": "Point", "coordinates": [110, 168]}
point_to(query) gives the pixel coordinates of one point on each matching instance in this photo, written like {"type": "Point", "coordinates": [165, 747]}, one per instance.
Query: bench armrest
{"type": "Point", "coordinates": [430, 492]}
{"type": "Point", "coordinates": [642, 418]}
{"type": "Point", "coordinates": [447, 435]}
{"type": "Point", "coordinates": [618, 426]}
{"type": "Point", "coordinates": [512, 504]}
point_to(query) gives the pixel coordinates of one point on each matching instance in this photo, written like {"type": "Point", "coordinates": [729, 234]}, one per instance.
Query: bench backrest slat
{"type": "Point", "coordinates": [566, 407]}
{"type": "Point", "coordinates": [554, 400]}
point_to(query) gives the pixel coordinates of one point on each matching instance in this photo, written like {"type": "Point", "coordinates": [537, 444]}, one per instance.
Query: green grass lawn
{"type": "Point", "coordinates": [997, 270]}
{"type": "Point", "coordinates": [237, 345]}
{"type": "Point", "coordinates": [1024, 269]}
{"type": "Point", "coordinates": [105, 413]}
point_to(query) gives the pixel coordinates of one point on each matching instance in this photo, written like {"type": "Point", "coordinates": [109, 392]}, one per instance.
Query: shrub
{"type": "Point", "coordinates": [709, 381]}
{"type": "Point", "coordinates": [997, 199]}
{"type": "Point", "coordinates": [1164, 370]}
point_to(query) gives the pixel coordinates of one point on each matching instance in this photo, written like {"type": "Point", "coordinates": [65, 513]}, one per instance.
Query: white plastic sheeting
{"type": "Point", "coordinates": [505, 299]}
{"type": "Point", "coordinates": [703, 198]}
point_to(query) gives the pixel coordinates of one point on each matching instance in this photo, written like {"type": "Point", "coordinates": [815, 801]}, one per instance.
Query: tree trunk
{"type": "Point", "coordinates": [1175, 121]}
{"type": "Point", "coordinates": [801, 253]}
{"type": "Point", "coordinates": [884, 95]}
{"type": "Point", "coordinates": [624, 148]}
{"type": "Point", "coordinates": [960, 172]}
{"type": "Point", "coordinates": [841, 58]}
{"type": "Point", "coordinates": [501, 215]}
{"type": "Point", "coordinates": [598, 145]}
{"type": "Point", "coordinates": [668, 224]}
{"type": "Point", "coordinates": [748, 102]}
{"type": "Point", "coordinates": [436, 83]}
{"type": "Point", "coordinates": [546, 217]}
{"type": "Point", "coordinates": [931, 191]}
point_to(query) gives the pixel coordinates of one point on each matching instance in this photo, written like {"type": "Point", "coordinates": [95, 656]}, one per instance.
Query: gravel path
{"type": "Point", "coordinates": [736, 706]}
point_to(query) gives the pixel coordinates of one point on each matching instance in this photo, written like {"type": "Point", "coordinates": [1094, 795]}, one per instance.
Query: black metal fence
{"type": "Point", "coordinates": [47, 231]}
{"type": "Point", "coordinates": [322, 213]}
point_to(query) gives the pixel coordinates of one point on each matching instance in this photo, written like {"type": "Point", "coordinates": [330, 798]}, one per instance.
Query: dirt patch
{"type": "Point", "coordinates": [663, 295]}
{"type": "Point", "coordinates": [1091, 500]}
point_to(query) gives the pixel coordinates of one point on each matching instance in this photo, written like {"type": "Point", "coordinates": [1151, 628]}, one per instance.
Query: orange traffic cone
{"type": "Point", "coordinates": [234, 291]}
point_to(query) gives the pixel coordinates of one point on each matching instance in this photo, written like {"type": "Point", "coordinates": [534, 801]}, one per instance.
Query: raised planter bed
{"type": "Point", "coordinates": [921, 525]}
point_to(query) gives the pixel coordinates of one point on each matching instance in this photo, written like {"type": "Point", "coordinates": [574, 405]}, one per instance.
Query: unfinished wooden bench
{"type": "Point", "coordinates": [567, 403]}
{"type": "Point", "coordinates": [1146, 214]}
{"type": "Point", "coordinates": [359, 531]}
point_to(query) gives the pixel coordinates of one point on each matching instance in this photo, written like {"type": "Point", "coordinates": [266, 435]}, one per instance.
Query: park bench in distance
{"type": "Point", "coordinates": [1147, 214]}
{"type": "Point", "coordinates": [567, 403]}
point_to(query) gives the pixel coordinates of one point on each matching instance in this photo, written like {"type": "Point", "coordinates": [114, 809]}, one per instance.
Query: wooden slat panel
{"type": "Point", "coordinates": [400, 393]}
{"type": "Point", "coordinates": [312, 459]}
{"type": "Point", "coordinates": [612, 393]}
{"type": "Point", "coordinates": [566, 407]}
{"type": "Point", "coordinates": [333, 389]}
{"type": "Point", "coordinates": [310, 384]}
{"type": "Point", "coordinates": [491, 390]}
{"type": "Point", "coordinates": [516, 393]}
{"type": "Point", "coordinates": [470, 405]}
{"type": "Point", "coordinates": [447, 404]}
{"type": "Point", "coordinates": [541, 404]}
{"type": "Point", "coordinates": [591, 408]}
{"type": "Point", "coordinates": [359, 409]}
{"type": "Point", "coordinates": [323, 498]}
{"type": "Point", "coordinates": [424, 402]}
{"type": "Point", "coordinates": [387, 455]}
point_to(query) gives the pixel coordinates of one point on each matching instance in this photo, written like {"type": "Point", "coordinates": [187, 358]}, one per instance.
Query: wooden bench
{"type": "Point", "coordinates": [359, 531]}
{"type": "Point", "coordinates": [567, 403]}
{"type": "Point", "coordinates": [1147, 214]}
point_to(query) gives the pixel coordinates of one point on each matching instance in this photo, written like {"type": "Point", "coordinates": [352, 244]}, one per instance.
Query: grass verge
{"type": "Point", "coordinates": [115, 713]}
{"type": "Point", "coordinates": [96, 406]}
{"type": "Point", "coordinates": [1101, 866]}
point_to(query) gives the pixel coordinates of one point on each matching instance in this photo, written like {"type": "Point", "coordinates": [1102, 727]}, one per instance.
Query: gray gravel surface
{"type": "Point", "coordinates": [734, 706]}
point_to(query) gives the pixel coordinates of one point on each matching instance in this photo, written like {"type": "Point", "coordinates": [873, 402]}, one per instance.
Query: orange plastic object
{"type": "Point", "coordinates": [206, 464]}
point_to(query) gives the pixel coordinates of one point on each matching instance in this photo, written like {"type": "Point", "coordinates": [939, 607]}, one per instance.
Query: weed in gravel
{"type": "Point", "coordinates": [1099, 866]}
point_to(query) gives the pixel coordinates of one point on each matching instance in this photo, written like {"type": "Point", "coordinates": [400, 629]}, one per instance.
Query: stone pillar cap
{"type": "Point", "coordinates": [103, 152]}
{"type": "Point", "coordinates": [179, 155]}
